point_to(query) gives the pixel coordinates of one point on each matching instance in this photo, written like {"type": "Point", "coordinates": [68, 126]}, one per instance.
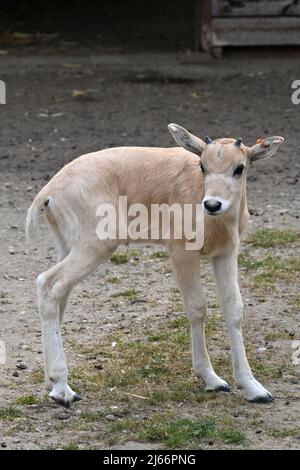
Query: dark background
{"type": "Point", "coordinates": [107, 24]}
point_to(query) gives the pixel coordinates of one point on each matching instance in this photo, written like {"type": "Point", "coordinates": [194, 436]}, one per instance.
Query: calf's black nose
{"type": "Point", "coordinates": [211, 205]}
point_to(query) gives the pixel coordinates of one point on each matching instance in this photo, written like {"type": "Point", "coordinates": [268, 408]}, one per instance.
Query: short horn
{"type": "Point", "coordinates": [207, 140]}
{"type": "Point", "coordinates": [238, 142]}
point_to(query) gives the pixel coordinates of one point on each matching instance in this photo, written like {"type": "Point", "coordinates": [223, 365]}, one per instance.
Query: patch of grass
{"type": "Point", "coordinates": [10, 413]}
{"type": "Point", "coordinates": [249, 263]}
{"type": "Point", "coordinates": [160, 361]}
{"type": "Point", "coordinates": [276, 335]}
{"type": "Point", "coordinates": [270, 269]}
{"type": "Point", "coordinates": [284, 432]}
{"type": "Point", "coordinates": [159, 396]}
{"type": "Point", "coordinates": [267, 238]}
{"type": "Point", "coordinates": [69, 446]}
{"type": "Point", "coordinates": [37, 376]}
{"type": "Point", "coordinates": [275, 269]}
{"type": "Point", "coordinates": [229, 433]}
{"type": "Point", "coordinates": [130, 294]}
{"type": "Point", "coordinates": [28, 400]}
{"type": "Point", "coordinates": [120, 258]}
{"type": "Point", "coordinates": [178, 432]}
{"type": "Point", "coordinates": [159, 255]}
{"type": "Point", "coordinates": [92, 416]}
{"type": "Point", "coordinates": [296, 303]}
{"type": "Point", "coordinates": [213, 305]}
{"type": "Point", "coordinates": [113, 279]}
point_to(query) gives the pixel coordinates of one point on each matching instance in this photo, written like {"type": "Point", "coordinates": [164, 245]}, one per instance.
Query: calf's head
{"type": "Point", "coordinates": [224, 164]}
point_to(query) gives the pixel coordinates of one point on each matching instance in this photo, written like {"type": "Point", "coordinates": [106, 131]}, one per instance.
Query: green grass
{"type": "Point", "coordinates": [92, 416]}
{"type": "Point", "coordinates": [120, 258]}
{"type": "Point", "coordinates": [270, 269]}
{"type": "Point", "coordinates": [160, 362]}
{"type": "Point", "coordinates": [178, 432]}
{"type": "Point", "coordinates": [37, 376]}
{"type": "Point", "coordinates": [157, 366]}
{"type": "Point", "coordinates": [10, 413]}
{"type": "Point", "coordinates": [113, 279]}
{"type": "Point", "coordinates": [284, 432]}
{"type": "Point", "coordinates": [296, 303]}
{"type": "Point", "coordinates": [277, 335]}
{"type": "Point", "coordinates": [159, 255]}
{"type": "Point", "coordinates": [268, 238]}
{"type": "Point", "coordinates": [130, 294]}
{"type": "Point", "coordinates": [28, 400]}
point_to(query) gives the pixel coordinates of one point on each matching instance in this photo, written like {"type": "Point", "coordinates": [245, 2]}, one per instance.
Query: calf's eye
{"type": "Point", "coordinates": [239, 170]}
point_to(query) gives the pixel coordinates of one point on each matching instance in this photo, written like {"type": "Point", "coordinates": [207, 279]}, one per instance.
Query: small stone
{"type": "Point", "coordinates": [3, 445]}
{"type": "Point", "coordinates": [22, 366]}
{"type": "Point", "coordinates": [110, 418]}
{"type": "Point", "coordinates": [258, 431]}
{"type": "Point", "coordinates": [261, 349]}
{"type": "Point", "coordinates": [15, 373]}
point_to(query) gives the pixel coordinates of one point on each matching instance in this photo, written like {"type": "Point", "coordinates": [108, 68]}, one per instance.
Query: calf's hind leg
{"type": "Point", "coordinates": [53, 287]}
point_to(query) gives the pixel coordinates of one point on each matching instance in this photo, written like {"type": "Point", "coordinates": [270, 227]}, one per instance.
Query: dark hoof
{"type": "Point", "coordinates": [222, 388]}
{"type": "Point", "coordinates": [67, 404]}
{"type": "Point", "coordinates": [263, 399]}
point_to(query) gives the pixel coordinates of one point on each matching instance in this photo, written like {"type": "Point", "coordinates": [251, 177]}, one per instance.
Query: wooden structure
{"type": "Point", "coordinates": [222, 23]}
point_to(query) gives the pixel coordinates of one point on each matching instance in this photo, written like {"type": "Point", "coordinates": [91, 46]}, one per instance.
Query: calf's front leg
{"type": "Point", "coordinates": [187, 269]}
{"type": "Point", "coordinates": [226, 274]}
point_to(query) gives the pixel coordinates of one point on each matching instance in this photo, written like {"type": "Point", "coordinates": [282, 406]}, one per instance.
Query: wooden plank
{"type": "Point", "coordinates": [256, 32]}
{"type": "Point", "coordinates": [223, 8]}
{"type": "Point", "coordinates": [203, 27]}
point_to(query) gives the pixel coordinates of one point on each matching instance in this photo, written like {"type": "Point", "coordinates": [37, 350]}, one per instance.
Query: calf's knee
{"type": "Point", "coordinates": [197, 311]}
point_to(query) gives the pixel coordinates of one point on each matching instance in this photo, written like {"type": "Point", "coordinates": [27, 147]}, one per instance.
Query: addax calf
{"type": "Point", "coordinates": [211, 173]}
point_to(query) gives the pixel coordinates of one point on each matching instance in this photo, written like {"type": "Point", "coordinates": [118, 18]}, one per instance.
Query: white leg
{"type": "Point", "coordinates": [187, 270]}
{"type": "Point", "coordinates": [226, 274]}
{"type": "Point", "coordinates": [52, 288]}
{"type": "Point", "coordinates": [63, 252]}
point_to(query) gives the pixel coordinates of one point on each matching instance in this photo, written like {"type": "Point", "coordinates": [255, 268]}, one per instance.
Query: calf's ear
{"type": "Point", "coordinates": [186, 140]}
{"type": "Point", "coordinates": [265, 148]}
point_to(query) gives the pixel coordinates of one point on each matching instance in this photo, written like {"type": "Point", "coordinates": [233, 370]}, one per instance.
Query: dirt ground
{"type": "Point", "coordinates": [59, 107]}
